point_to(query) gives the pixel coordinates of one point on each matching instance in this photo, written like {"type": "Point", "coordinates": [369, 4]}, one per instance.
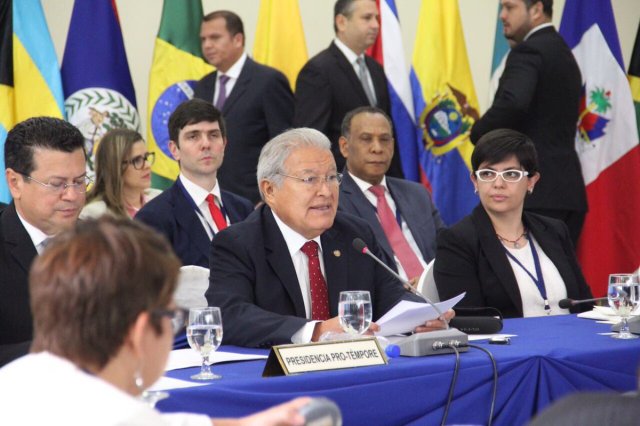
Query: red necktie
{"type": "Point", "coordinates": [397, 240]}
{"type": "Point", "coordinates": [216, 213]}
{"type": "Point", "coordinates": [319, 294]}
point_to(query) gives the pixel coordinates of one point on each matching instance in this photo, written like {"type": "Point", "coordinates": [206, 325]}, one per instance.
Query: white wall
{"type": "Point", "coordinates": [140, 20]}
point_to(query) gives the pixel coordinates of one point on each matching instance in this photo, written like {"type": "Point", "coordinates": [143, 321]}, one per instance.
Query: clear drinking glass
{"type": "Point", "coordinates": [204, 334]}
{"type": "Point", "coordinates": [624, 295]}
{"type": "Point", "coordinates": [354, 311]}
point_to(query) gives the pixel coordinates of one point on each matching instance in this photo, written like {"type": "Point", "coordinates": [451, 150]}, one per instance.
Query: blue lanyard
{"type": "Point", "coordinates": [196, 208]}
{"type": "Point", "coordinates": [538, 281]}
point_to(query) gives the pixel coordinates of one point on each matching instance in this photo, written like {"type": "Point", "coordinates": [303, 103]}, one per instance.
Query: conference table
{"type": "Point", "coordinates": [550, 357]}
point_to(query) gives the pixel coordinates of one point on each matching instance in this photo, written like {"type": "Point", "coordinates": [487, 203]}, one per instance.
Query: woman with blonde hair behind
{"type": "Point", "coordinates": [123, 176]}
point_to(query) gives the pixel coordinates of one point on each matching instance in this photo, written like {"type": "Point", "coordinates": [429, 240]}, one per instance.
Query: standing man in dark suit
{"type": "Point", "coordinates": [538, 95]}
{"type": "Point", "coordinates": [194, 209]}
{"type": "Point", "coordinates": [342, 78]}
{"type": "Point", "coordinates": [403, 218]}
{"type": "Point", "coordinates": [277, 275]}
{"type": "Point", "coordinates": [46, 174]}
{"type": "Point", "coordinates": [255, 100]}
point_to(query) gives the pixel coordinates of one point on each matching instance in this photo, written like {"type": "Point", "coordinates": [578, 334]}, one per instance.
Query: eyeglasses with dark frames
{"type": "Point", "coordinates": [177, 315]}
{"type": "Point", "coordinates": [138, 161]}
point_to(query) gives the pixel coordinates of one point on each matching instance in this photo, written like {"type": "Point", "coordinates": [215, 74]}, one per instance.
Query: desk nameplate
{"type": "Point", "coordinates": [323, 356]}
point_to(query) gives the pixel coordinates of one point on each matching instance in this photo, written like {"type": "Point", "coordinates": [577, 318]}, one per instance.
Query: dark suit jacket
{"type": "Point", "coordinates": [16, 254]}
{"type": "Point", "coordinates": [328, 88]}
{"type": "Point", "coordinates": [592, 409]}
{"type": "Point", "coordinates": [539, 95]}
{"type": "Point", "coordinates": [415, 206]}
{"type": "Point", "coordinates": [173, 215]}
{"type": "Point", "coordinates": [254, 282]}
{"type": "Point", "coordinates": [471, 258]}
{"type": "Point", "coordinates": [259, 108]}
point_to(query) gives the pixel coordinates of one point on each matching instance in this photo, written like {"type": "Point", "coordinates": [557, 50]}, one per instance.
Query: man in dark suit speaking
{"type": "Point", "coordinates": [277, 275]}
{"type": "Point", "coordinates": [195, 208]}
{"type": "Point", "coordinates": [403, 218]}
{"type": "Point", "coordinates": [255, 100]}
{"type": "Point", "coordinates": [46, 174]}
{"type": "Point", "coordinates": [538, 95]}
{"type": "Point", "coordinates": [342, 78]}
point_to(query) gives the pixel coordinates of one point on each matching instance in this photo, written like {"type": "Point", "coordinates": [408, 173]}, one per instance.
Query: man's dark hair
{"type": "Point", "coordinates": [345, 129]}
{"type": "Point", "coordinates": [191, 112]}
{"type": "Point", "coordinates": [500, 144]}
{"type": "Point", "coordinates": [232, 21]}
{"type": "Point", "coordinates": [342, 7]}
{"type": "Point", "coordinates": [547, 6]}
{"type": "Point", "coordinates": [39, 132]}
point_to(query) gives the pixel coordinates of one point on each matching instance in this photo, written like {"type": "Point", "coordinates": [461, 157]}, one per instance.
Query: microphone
{"type": "Point", "coordinates": [421, 344]}
{"type": "Point", "coordinates": [569, 303]}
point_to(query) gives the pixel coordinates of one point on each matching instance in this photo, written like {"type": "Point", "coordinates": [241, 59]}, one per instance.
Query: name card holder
{"type": "Point", "coordinates": [323, 356]}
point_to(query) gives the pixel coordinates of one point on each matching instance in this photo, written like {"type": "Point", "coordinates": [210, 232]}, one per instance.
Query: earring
{"type": "Point", "coordinates": [530, 191]}
{"type": "Point", "coordinates": [138, 380]}
{"type": "Point", "coordinates": [475, 190]}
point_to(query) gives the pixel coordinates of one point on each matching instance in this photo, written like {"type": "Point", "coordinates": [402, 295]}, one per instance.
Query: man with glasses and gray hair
{"type": "Point", "coordinates": [46, 174]}
{"type": "Point", "coordinates": [277, 275]}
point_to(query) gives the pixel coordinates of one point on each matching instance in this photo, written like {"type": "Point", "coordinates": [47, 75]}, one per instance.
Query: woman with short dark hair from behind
{"type": "Point", "coordinates": [102, 302]}
{"type": "Point", "coordinates": [503, 257]}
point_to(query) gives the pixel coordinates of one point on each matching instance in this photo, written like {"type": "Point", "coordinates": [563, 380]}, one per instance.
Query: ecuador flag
{"type": "Point", "coordinates": [446, 104]}
{"type": "Point", "coordinates": [177, 66]}
{"type": "Point", "coordinates": [279, 41]}
{"type": "Point", "coordinates": [30, 82]}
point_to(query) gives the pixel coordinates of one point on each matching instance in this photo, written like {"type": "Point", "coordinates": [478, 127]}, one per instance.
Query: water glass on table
{"type": "Point", "coordinates": [355, 311]}
{"type": "Point", "coordinates": [204, 334]}
{"type": "Point", "coordinates": [623, 294]}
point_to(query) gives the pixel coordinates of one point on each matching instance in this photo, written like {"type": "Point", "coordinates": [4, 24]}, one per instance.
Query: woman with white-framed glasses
{"type": "Point", "coordinates": [503, 257]}
{"type": "Point", "coordinates": [123, 176]}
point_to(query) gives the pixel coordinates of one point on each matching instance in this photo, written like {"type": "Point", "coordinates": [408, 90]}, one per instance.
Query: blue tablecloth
{"type": "Point", "coordinates": [549, 358]}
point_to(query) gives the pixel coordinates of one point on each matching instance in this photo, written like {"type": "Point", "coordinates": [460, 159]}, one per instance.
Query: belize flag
{"type": "Point", "coordinates": [389, 52]}
{"type": "Point", "coordinates": [98, 90]}
{"type": "Point", "coordinates": [607, 143]}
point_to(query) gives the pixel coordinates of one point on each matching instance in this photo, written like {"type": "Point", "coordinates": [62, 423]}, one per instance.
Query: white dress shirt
{"type": "Point", "coordinates": [233, 73]}
{"type": "Point", "coordinates": [199, 196]}
{"type": "Point", "coordinates": [364, 187]}
{"type": "Point", "coordinates": [37, 236]}
{"type": "Point", "coordinates": [353, 58]}
{"type": "Point", "coordinates": [300, 261]}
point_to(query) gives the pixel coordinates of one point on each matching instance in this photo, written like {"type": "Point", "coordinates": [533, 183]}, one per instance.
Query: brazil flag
{"type": "Point", "coordinates": [177, 65]}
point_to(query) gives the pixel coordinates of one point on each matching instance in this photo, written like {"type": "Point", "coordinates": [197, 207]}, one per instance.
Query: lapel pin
{"type": "Point", "coordinates": [337, 253]}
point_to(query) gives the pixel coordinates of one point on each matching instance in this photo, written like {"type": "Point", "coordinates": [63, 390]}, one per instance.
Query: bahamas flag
{"type": "Point", "coordinates": [29, 75]}
{"type": "Point", "coordinates": [177, 66]}
{"type": "Point", "coordinates": [607, 144]}
{"type": "Point", "coordinates": [500, 53]}
{"type": "Point", "coordinates": [446, 106]}
{"type": "Point", "coordinates": [279, 40]}
{"type": "Point", "coordinates": [98, 90]}
{"type": "Point", "coordinates": [389, 52]}
{"type": "Point", "coordinates": [634, 76]}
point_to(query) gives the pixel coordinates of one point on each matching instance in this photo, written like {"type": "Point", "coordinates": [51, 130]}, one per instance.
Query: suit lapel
{"type": "Point", "coordinates": [347, 69]}
{"type": "Point", "coordinates": [17, 240]}
{"type": "Point", "coordinates": [241, 85]}
{"type": "Point", "coordinates": [188, 220]}
{"type": "Point", "coordinates": [335, 255]}
{"type": "Point", "coordinates": [495, 255]}
{"type": "Point", "coordinates": [280, 261]}
{"type": "Point", "coordinates": [230, 208]}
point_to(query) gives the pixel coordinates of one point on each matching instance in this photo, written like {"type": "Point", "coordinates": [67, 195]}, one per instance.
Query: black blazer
{"type": "Point", "coordinates": [16, 255]}
{"type": "Point", "coordinates": [328, 88]}
{"type": "Point", "coordinates": [259, 108]}
{"type": "Point", "coordinates": [471, 258]}
{"type": "Point", "coordinates": [538, 95]}
{"type": "Point", "coordinates": [173, 215]}
{"type": "Point", "coordinates": [254, 282]}
{"type": "Point", "coordinates": [415, 206]}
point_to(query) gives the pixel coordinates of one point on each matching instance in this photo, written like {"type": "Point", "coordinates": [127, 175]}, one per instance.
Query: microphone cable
{"type": "Point", "coordinates": [495, 380]}
{"type": "Point", "coordinates": [452, 386]}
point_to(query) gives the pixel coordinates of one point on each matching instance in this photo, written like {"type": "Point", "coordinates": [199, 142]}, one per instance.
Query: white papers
{"type": "Point", "coordinates": [165, 383]}
{"type": "Point", "coordinates": [184, 358]}
{"type": "Point", "coordinates": [406, 316]}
